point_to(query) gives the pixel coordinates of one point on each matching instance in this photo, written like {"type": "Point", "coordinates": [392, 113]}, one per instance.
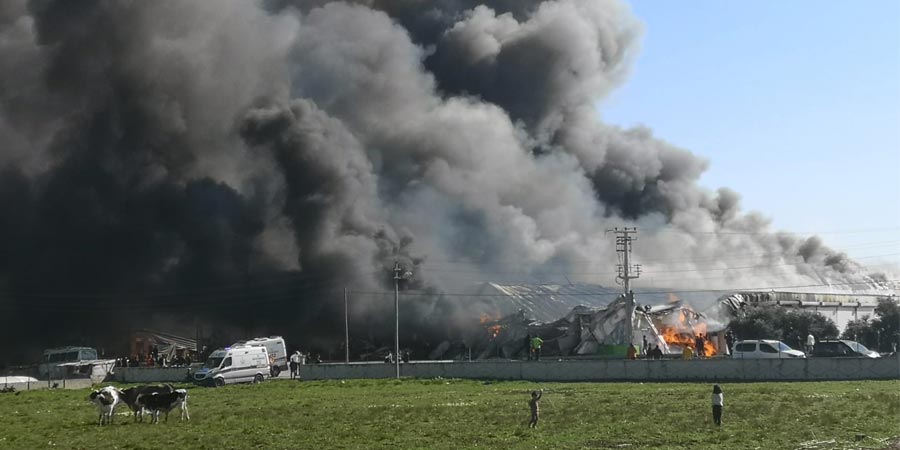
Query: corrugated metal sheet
{"type": "Point", "coordinates": [549, 302]}
{"type": "Point", "coordinates": [160, 338]}
{"type": "Point", "coordinates": [546, 302]}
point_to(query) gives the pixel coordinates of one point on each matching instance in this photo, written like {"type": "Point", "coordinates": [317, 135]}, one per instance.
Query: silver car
{"type": "Point", "coordinates": [764, 349]}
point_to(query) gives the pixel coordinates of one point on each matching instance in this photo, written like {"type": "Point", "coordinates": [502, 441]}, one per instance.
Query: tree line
{"type": "Point", "coordinates": [791, 326]}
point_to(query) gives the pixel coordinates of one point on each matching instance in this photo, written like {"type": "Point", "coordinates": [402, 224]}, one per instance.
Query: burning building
{"type": "Point", "coordinates": [599, 321]}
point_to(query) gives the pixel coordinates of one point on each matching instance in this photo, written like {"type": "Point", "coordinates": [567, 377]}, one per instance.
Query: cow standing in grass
{"type": "Point", "coordinates": [130, 396]}
{"type": "Point", "coordinates": [106, 400]}
{"type": "Point", "coordinates": [156, 403]}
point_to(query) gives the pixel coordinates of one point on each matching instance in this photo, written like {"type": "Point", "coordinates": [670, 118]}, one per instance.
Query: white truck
{"type": "Point", "coordinates": [53, 358]}
{"type": "Point", "coordinates": [278, 356]}
{"type": "Point", "coordinates": [239, 364]}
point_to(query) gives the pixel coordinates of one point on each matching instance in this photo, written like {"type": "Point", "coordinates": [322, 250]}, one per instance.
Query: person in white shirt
{"type": "Point", "coordinates": [295, 364]}
{"type": "Point", "coordinates": [810, 343]}
{"type": "Point", "coordinates": [718, 402]}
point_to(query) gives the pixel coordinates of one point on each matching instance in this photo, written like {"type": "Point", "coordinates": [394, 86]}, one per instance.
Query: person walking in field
{"type": "Point", "coordinates": [535, 406]}
{"type": "Point", "coordinates": [810, 343]}
{"type": "Point", "coordinates": [536, 343]}
{"type": "Point", "coordinates": [718, 402]}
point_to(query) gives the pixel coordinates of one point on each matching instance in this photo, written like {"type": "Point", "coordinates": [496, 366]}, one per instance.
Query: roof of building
{"type": "Point", "coordinates": [549, 302]}
{"type": "Point", "coordinates": [163, 338]}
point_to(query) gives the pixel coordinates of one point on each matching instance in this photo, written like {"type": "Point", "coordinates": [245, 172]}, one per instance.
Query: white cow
{"type": "Point", "coordinates": [106, 400]}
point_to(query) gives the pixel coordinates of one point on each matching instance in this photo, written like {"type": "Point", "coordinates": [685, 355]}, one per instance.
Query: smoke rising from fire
{"type": "Point", "coordinates": [164, 156]}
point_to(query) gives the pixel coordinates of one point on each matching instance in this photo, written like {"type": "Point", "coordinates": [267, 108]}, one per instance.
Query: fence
{"type": "Point", "coordinates": [27, 378]}
{"type": "Point", "coordinates": [721, 369]}
{"type": "Point", "coordinates": [731, 370]}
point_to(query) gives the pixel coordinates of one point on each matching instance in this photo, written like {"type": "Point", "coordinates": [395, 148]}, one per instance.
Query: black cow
{"type": "Point", "coordinates": [130, 396]}
{"type": "Point", "coordinates": [156, 402]}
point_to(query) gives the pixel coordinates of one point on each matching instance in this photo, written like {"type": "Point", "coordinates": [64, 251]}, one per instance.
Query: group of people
{"type": "Point", "coordinates": [649, 353]}
{"type": "Point", "coordinates": [154, 359]}
{"type": "Point", "coordinates": [300, 359]}
{"type": "Point", "coordinates": [297, 359]}
{"type": "Point", "coordinates": [404, 357]}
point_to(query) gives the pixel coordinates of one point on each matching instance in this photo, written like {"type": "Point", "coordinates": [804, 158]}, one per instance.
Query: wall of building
{"type": "Point", "coordinates": [621, 370]}
{"type": "Point", "coordinates": [150, 374]}
{"type": "Point", "coordinates": [730, 370]}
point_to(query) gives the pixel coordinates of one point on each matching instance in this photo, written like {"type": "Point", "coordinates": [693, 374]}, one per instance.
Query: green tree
{"type": "Point", "coordinates": [881, 333]}
{"type": "Point", "coordinates": [785, 324]}
{"type": "Point", "coordinates": [861, 331]}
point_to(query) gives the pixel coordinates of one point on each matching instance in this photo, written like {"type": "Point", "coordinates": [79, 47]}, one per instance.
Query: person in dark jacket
{"type": "Point", "coordinates": [535, 406]}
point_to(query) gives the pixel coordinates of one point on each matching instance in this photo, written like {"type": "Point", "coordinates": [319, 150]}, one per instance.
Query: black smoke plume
{"type": "Point", "coordinates": [235, 165]}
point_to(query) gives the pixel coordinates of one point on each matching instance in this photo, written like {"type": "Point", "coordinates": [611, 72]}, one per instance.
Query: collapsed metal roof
{"type": "Point", "coordinates": [545, 302]}
{"type": "Point", "coordinates": [549, 302]}
{"type": "Point", "coordinates": [163, 339]}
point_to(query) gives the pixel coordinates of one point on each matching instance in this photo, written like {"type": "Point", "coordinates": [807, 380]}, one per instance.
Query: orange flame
{"type": "Point", "coordinates": [493, 330]}
{"type": "Point", "coordinates": [684, 332]}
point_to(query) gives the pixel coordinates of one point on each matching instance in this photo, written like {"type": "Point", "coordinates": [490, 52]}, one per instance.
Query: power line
{"type": "Point", "coordinates": [777, 233]}
{"type": "Point", "coordinates": [138, 299]}
{"type": "Point", "coordinates": [570, 263]}
{"type": "Point", "coordinates": [294, 278]}
{"type": "Point", "coordinates": [671, 291]}
{"type": "Point", "coordinates": [542, 272]}
{"type": "Point", "coordinates": [249, 301]}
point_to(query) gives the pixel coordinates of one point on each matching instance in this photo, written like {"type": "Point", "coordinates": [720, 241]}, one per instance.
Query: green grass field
{"type": "Point", "coordinates": [453, 414]}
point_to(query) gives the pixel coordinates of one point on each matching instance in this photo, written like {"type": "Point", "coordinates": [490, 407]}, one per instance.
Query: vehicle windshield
{"type": "Point", "coordinates": [782, 346]}
{"type": "Point", "coordinates": [856, 346]}
{"type": "Point", "coordinates": [213, 362]}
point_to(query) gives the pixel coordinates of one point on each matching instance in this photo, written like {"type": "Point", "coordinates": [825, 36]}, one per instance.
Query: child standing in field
{"type": "Point", "coordinates": [535, 405]}
{"type": "Point", "coordinates": [718, 401]}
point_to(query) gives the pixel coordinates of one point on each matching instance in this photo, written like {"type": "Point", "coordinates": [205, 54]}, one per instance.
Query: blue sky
{"type": "Point", "coordinates": [795, 103]}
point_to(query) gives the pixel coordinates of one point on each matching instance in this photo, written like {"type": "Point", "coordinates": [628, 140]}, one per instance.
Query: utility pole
{"type": "Point", "coordinates": [346, 330]}
{"type": "Point", "coordinates": [399, 274]}
{"type": "Point", "coordinates": [627, 271]}
{"type": "Point", "coordinates": [397, 317]}
{"type": "Point", "coordinates": [624, 238]}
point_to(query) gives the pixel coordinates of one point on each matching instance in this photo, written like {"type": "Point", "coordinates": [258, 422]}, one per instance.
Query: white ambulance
{"type": "Point", "coordinates": [278, 356]}
{"type": "Point", "coordinates": [240, 364]}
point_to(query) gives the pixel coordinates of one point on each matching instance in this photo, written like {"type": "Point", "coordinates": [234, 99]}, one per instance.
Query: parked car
{"type": "Point", "coordinates": [764, 349]}
{"type": "Point", "coordinates": [841, 347]}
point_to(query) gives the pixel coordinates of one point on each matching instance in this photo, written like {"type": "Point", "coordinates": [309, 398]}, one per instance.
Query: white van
{"type": "Point", "coordinates": [52, 358]}
{"type": "Point", "coordinates": [241, 364]}
{"type": "Point", "coordinates": [764, 349]}
{"type": "Point", "coordinates": [277, 351]}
